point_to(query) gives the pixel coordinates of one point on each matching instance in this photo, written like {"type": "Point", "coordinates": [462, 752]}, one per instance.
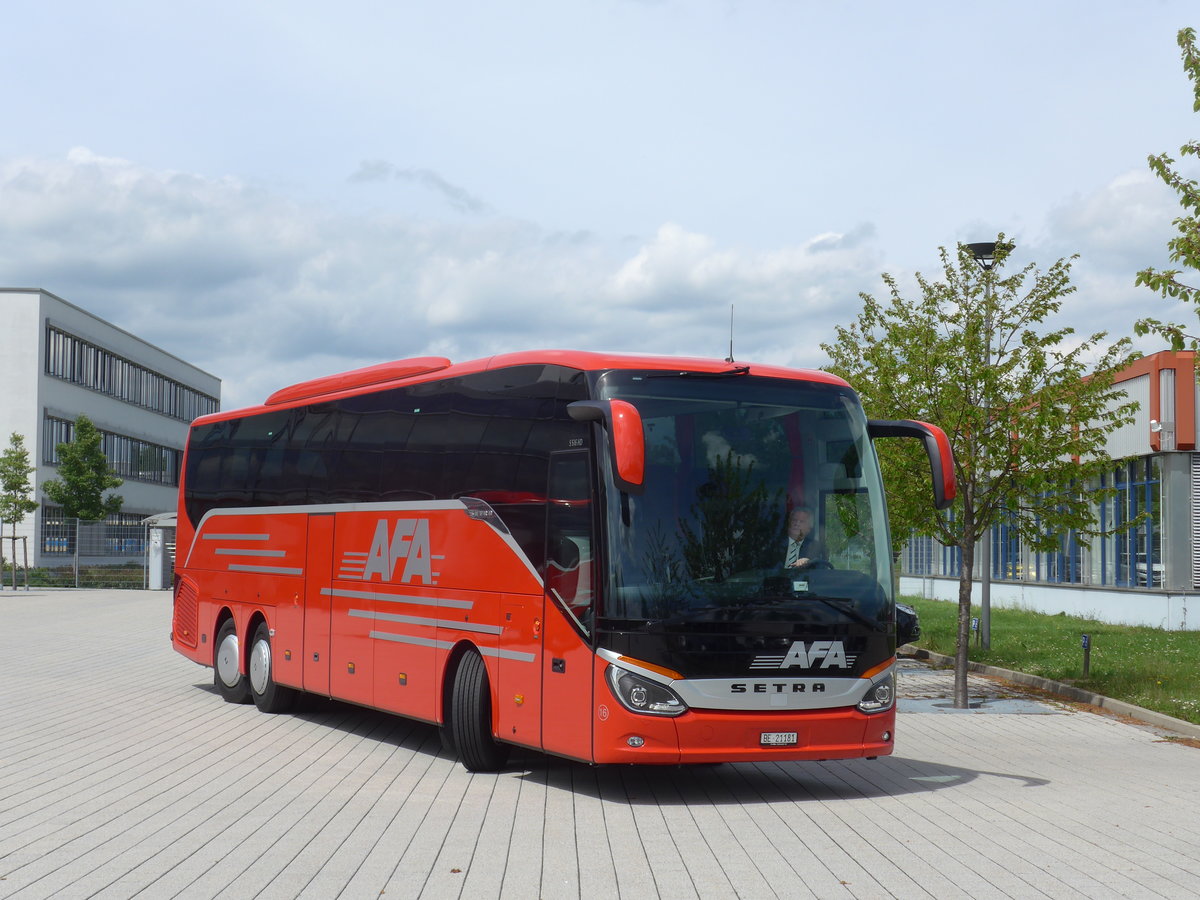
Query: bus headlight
{"type": "Point", "coordinates": [881, 695]}
{"type": "Point", "coordinates": [641, 695]}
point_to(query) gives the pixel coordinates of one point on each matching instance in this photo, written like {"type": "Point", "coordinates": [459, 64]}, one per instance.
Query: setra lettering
{"type": "Point", "coordinates": [781, 687]}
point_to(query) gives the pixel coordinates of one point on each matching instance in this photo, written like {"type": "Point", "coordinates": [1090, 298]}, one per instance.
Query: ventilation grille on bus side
{"type": "Point", "coordinates": [187, 611]}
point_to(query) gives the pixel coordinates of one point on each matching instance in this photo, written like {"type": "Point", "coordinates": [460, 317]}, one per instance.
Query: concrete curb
{"type": "Point", "coordinates": [1120, 707]}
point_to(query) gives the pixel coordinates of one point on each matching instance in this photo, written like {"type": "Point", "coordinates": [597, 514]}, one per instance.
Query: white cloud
{"type": "Point", "coordinates": [1118, 229]}
{"type": "Point", "coordinates": [263, 291]}
{"type": "Point", "coordinates": [786, 301]}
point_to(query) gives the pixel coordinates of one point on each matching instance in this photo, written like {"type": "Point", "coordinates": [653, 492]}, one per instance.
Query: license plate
{"type": "Point", "coordinates": [778, 738]}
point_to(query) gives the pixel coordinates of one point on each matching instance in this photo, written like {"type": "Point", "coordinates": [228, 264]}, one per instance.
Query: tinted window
{"type": "Point", "coordinates": [488, 435]}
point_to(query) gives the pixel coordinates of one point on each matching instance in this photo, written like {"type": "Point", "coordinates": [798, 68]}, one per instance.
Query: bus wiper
{"type": "Point", "coordinates": [736, 370]}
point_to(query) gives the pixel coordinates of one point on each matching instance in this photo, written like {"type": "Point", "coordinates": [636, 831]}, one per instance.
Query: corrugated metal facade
{"type": "Point", "coordinates": [1133, 439]}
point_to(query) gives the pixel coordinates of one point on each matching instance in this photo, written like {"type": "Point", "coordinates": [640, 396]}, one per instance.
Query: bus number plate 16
{"type": "Point", "coordinates": [779, 738]}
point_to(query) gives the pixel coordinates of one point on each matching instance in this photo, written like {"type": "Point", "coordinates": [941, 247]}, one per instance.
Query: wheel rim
{"type": "Point", "coordinates": [227, 660]}
{"type": "Point", "coordinates": [260, 666]}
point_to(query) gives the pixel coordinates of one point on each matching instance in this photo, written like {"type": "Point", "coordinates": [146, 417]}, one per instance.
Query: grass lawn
{"type": "Point", "coordinates": [1154, 669]}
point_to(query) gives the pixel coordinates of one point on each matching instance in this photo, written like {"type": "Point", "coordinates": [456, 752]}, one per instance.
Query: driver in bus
{"type": "Point", "coordinates": [803, 546]}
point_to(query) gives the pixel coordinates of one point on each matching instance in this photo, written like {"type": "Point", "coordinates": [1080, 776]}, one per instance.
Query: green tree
{"type": "Point", "coordinates": [1025, 413]}
{"type": "Point", "coordinates": [1185, 246]}
{"type": "Point", "coordinates": [84, 476]}
{"type": "Point", "coordinates": [15, 490]}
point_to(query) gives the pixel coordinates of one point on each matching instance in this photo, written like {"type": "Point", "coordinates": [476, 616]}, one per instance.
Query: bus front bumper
{"type": "Point", "coordinates": [714, 736]}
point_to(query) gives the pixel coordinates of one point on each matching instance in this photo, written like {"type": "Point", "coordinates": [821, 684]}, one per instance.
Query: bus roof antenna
{"type": "Point", "coordinates": [729, 358]}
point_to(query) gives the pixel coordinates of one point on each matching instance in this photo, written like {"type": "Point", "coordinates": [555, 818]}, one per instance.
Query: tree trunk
{"type": "Point", "coordinates": [963, 641]}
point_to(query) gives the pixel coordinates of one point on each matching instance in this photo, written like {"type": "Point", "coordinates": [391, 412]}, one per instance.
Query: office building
{"type": "Point", "coordinates": [58, 361]}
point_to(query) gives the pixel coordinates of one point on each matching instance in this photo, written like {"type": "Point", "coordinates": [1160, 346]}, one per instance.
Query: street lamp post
{"type": "Point", "coordinates": [985, 255]}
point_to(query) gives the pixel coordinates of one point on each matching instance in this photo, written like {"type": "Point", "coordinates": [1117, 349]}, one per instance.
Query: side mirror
{"type": "Point", "coordinates": [937, 446]}
{"type": "Point", "coordinates": [908, 625]}
{"type": "Point", "coordinates": [626, 438]}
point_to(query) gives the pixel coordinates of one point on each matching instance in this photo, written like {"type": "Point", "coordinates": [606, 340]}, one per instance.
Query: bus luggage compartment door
{"type": "Point", "coordinates": [519, 692]}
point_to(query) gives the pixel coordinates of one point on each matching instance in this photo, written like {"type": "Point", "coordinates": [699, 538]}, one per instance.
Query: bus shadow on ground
{"type": "Point", "coordinates": [729, 783]}
{"type": "Point", "coordinates": [754, 783]}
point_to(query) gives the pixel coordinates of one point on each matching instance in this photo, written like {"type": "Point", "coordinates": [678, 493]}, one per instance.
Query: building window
{"type": "Point", "coordinates": [917, 557]}
{"type": "Point", "coordinates": [60, 535]}
{"type": "Point", "coordinates": [926, 556]}
{"type": "Point", "coordinates": [1132, 557]}
{"type": "Point", "coordinates": [130, 458]}
{"type": "Point", "coordinates": [75, 360]}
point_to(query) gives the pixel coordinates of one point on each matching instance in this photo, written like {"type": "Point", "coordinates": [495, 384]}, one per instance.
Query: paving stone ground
{"type": "Point", "coordinates": [123, 775]}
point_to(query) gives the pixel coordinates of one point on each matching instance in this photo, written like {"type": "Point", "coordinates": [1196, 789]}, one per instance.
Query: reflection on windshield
{"type": "Point", "coordinates": [733, 523]}
{"type": "Point", "coordinates": [727, 462]}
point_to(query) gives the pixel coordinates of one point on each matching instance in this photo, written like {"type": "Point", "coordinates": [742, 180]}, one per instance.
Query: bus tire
{"type": "Point", "coordinates": [268, 696]}
{"type": "Point", "coordinates": [230, 683]}
{"type": "Point", "coordinates": [471, 718]}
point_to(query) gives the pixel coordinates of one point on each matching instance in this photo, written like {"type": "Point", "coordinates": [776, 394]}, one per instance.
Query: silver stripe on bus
{"type": "Point", "coordinates": [507, 654]}
{"type": "Point", "coordinates": [767, 662]}
{"type": "Point", "coordinates": [432, 623]}
{"type": "Point", "coordinates": [400, 506]}
{"type": "Point", "coordinates": [396, 598]}
{"type": "Point", "coordinates": [409, 639]}
{"type": "Point", "coordinates": [264, 570]}
{"type": "Point", "coordinates": [236, 551]}
{"type": "Point", "coordinates": [446, 645]}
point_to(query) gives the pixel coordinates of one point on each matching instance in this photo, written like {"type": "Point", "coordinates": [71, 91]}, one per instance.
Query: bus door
{"type": "Point", "coordinates": [351, 608]}
{"type": "Point", "coordinates": [568, 608]}
{"type": "Point", "coordinates": [318, 577]}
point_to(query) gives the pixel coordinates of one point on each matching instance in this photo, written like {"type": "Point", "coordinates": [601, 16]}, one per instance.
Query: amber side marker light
{"type": "Point", "coordinates": [661, 670]}
{"type": "Point", "coordinates": [882, 667]}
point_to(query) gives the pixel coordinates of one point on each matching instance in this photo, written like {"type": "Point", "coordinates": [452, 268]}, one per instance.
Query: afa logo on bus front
{"type": "Point", "coordinates": [830, 654]}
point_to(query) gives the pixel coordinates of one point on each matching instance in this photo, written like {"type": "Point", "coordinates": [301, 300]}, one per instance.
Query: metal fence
{"type": "Point", "coordinates": [75, 553]}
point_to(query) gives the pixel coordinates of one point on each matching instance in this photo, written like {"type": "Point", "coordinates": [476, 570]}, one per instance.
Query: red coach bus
{"type": "Point", "coordinates": [579, 553]}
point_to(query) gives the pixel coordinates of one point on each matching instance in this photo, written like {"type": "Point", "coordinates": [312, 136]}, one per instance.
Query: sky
{"type": "Point", "coordinates": [276, 191]}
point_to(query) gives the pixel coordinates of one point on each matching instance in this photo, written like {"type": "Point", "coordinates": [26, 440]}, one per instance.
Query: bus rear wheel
{"type": "Point", "coordinates": [268, 696]}
{"type": "Point", "coordinates": [471, 715]}
{"type": "Point", "coordinates": [230, 683]}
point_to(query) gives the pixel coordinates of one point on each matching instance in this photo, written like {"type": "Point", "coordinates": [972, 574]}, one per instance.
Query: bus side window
{"type": "Point", "coordinates": [568, 569]}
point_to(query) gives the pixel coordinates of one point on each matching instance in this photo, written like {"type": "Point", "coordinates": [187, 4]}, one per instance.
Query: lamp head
{"type": "Point", "coordinates": [985, 252]}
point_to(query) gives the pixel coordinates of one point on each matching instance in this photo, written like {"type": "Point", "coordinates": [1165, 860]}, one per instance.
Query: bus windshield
{"type": "Point", "coordinates": [733, 462]}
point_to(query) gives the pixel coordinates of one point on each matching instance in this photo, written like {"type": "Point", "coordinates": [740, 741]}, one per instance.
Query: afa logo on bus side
{"type": "Point", "coordinates": [408, 541]}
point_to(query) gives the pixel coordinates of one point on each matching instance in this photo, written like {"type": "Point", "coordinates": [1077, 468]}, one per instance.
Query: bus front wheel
{"type": "Point", "coordinates": [471, 715]}
{"type": "Point", "coordinates": [227, 679]}
{"type": "Point", "coordinates": [268, 696]}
